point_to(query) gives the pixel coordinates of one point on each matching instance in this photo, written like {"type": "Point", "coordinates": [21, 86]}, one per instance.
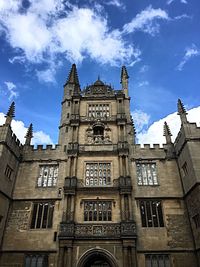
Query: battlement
{"type": "Point", "coordinates": [41, 147]}
{"type": "Point", "coordinates": [10, 139]}
{"type": "Point", "coordinates": [43, 152]}
{"type": "Point", "coordinates": [147, 151]}
{"type": "Point", "coordinates": [149, 146]}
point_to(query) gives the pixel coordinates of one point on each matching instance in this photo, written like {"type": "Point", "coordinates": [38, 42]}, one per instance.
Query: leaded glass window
{"type": "Point", "coordinates": [98, 174]}
{"type": "Point", "coordinates": [42, 215]}
{"type": "Point", "coordinates": [48, 176]}
{"type": "Point", "coordinates": [98, 110]}
{"type": "Point", "coordinates": [157, 260]}
{"type": "Point", "coordinates": [151, 213]}
{"type": "Point", "coordinates": [36, 260]}
{"type": "Point", "coordinates": [146, 174]}
{"type": "Point", "coordinates": [97, 210]}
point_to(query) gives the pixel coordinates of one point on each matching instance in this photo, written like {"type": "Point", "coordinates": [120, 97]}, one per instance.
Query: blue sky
{"type": "Point", "coordinates": [157, 40]}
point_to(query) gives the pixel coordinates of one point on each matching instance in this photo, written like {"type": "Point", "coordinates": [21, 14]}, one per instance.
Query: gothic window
{"type": "Point", "coordinates": [42, 215]}
{"type": "Point", "coordinates": [36, 260]}
{"type": "Point", "coordinates": [98, 174]}
{"type": "Point", "coordinates": [146, 174]}
{"type": "Point", "coordinates": [157, 260]}
{"type": "Point", "coordinates": [97, 210]}
{"type": "Point", "coordinates": [48, 176]}
{"type": "Point", "coordinates": [151, 213]}
{"type": "Point", "coordinates": [196, 220]}
{"type": "Point", "coordinates": [8, 171]}
{"type": "Point", "coordinates": [98, 110]}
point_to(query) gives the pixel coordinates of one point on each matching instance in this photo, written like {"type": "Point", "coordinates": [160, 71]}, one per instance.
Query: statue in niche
{"type": "Point", "coordinates": [89, 135]}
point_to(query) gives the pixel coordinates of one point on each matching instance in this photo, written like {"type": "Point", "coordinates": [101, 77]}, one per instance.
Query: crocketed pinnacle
{"type": "Point", "coordinates": [10, 114]}
{"type": "Point", "coordinates": [29, 134]}
{"type": "Point", "coordinates": [11, 111]}
{"type": "Point", "coordinates": [182, 112]}
{"type": "Point", "coordinates": [167, 133]}
{"type": "Point", "coordinates": [181, 108]}
{"type": "Point", "coordinates": [124, 74]}
{"type": "Point", "coordinates": [73, 76]}
{"type": "Point", "coordinates": [29, 131]}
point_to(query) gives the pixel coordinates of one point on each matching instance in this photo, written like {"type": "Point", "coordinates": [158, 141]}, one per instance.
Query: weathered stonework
{"type": "Point", "coordinates": [178, 231]}
{"type": "Point", "coordinates": [99, 211]}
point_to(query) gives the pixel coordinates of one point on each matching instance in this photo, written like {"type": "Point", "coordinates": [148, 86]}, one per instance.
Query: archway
{"type": "Point", "coordinates": [97, 258]}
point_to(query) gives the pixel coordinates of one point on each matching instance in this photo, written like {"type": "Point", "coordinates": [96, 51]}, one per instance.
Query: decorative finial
{"type": "Point", "coordinates": [10, 114]}
{"type": "Point", "coordinates": [29, 135]}
{"type": "Point", "coordinates": [182, 111]}
{"type": "Point", "coordinates": [167, 133]}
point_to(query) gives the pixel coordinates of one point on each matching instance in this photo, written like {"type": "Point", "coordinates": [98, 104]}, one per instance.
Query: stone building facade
{"type": "Point", "coordinates": [98, 199]}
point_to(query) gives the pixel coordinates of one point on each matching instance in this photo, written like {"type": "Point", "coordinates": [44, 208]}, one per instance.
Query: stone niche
{"type": "Point", "coordinates": [98, 133]}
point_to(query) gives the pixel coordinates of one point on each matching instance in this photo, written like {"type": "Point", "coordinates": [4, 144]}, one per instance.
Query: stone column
{"type": "Point", "coordinates": [61, 257]}
{"type": "Point", "coordinates": [125, 257]}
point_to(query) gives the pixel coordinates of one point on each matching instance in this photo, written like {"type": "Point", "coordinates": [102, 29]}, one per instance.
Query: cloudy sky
{"type": "Point", "coordinates": [158, 41]}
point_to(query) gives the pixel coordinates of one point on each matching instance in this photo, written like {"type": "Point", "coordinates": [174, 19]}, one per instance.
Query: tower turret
{"type": "Point", "coordinates": [70, 106]}
{"type": "Point", "coordinates": [10, 114]}
{"type": "Point", "coordinates": [182, 112]}
{"type": "Point", "coordinates": [73, 80]}
{"type": "Point", "coordinates": [29, 135]}
{"type": "Point", "coordinates": [124, 80]}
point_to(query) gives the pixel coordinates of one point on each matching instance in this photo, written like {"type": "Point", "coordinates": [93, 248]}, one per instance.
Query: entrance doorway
{"type": "Point", "coordinates": [97, 263]}
{"type": "Point", "coordinates": [97, 258]}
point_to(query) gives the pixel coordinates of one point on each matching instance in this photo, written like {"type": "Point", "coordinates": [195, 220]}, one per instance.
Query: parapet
{"type": "Point", "coordinates": [10, 139]}
{"type": "Point", "coordinates": [147, 151]}
{"type": "Point", "coordinates": [43, 152]}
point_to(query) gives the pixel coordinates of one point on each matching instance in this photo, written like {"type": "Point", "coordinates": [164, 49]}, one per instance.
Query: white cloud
{"type": "Point", "coordinates": [40, 34]}
{"type": "Point", "coordinates": [146, 21]}
{"type": "Point", "coordinates": [143, 83]}
{"type": "Point", "coordinates": [116, 3]}
{"type": "Point", "coordinates": [140, 119]}
{"type": "Point", "coordinates": [182, 1]}
{"type": "Point", "coordinates": [11, 90]}
{"type": "Point", "coordinates": [183, 16]}
{"type": "Point", "coordinates": [20, 130]}
{"type": "Point", "coordinates": [190, 52]}
{"type": "Point", "coordinates": [154, 134]}
{"type": "Point", "coordinates": [47, 75]}
{"type": "Point", "coordinates": [144, 68]}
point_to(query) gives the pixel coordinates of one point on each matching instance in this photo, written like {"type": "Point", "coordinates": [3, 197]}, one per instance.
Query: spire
{"type": "Point", "coordinates": [10, 114]}
{"type": "Point", "coordinates": [167, 133]}
{"type": "Point", "coordinates": [29, 135]}
{"type": "Point", "coordinates": [124, 80]}
{"type": "Point", "coordinates": [182, 112]}
{"type": "Point", "coordinates": [73, 76]}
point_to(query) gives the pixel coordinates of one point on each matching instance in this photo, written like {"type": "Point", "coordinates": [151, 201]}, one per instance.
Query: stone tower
{"type": "Point", "coordinates": [97, 198]}
{"type": "Point", "coordinates": [96, 133]}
